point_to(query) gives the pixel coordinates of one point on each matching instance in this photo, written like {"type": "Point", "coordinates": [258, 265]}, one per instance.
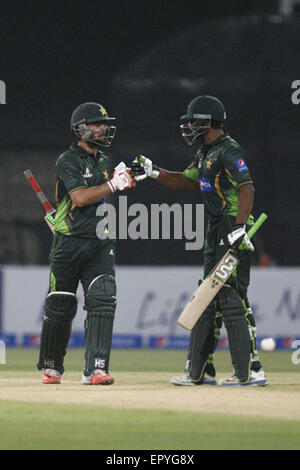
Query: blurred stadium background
{"type": "Point", "coordinates": [145, 61]}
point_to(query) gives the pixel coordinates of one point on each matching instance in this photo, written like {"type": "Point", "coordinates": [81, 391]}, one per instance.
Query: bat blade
{"type": "Point", "coordinates": [209, 288]}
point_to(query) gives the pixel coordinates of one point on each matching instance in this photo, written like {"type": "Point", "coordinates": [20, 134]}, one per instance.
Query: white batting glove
{"type": "Point", "coordinates": [239, 236]}
{"type": "Point", "coordinates": [122, 178]}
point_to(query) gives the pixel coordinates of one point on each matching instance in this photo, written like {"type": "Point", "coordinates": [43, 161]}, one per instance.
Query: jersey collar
{"type": "Point", "coordinates": [83, 153]}
{"type": "Point", "coordinates": [206, 147]}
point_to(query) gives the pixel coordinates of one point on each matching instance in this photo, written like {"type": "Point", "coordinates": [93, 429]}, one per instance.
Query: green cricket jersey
{"type": "Point", "coordinates": [78, 169]}
{"type": "Point", "coordinates": [220, 170]}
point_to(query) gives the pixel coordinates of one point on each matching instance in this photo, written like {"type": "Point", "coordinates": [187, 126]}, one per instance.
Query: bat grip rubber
{"type": "Point", "coordinates": [261, 219]}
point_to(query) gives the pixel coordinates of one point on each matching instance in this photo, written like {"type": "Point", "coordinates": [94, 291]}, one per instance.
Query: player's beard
{"type": "Point", "coordinates": [97, 142]}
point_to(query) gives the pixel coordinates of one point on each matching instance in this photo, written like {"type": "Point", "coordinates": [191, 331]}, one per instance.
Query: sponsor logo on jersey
{"type": "Point", "coordinates": [241, 165]}
{"type": "Point", "coordinates": [205, 186]}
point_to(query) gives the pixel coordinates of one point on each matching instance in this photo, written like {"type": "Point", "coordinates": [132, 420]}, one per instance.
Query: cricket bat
{"type": "Point", "coordinates": [209, 288]}
{"type": "Point", "coordinates": [49, 209]}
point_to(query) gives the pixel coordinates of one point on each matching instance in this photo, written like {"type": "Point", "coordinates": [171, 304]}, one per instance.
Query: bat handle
{"type": "Point", "coordinates": [261, 219]}
{"type": "Point", "coordinates": [50, 221]}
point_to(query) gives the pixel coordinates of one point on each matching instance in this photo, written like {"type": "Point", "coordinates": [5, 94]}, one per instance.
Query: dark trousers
{"type": "Point", "coordinates": [74, 259]}
{"type": "Point", "coordinates": [205, 334]}
{"type": "Point", "coordinates": [215, 247]}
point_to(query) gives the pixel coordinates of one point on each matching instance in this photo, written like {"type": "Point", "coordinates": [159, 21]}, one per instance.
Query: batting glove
{"type": "Point", "coordinates": [143, 167]}
{"type": "Point", "coordinates": [138, 170]}
{"type": "Point", "coordinates": [122, 178]}
{"type": "Point", "coordinates": [239, 237]}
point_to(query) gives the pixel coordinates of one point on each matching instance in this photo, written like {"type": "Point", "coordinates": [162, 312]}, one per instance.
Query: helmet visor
{"type": "Point", "coordinates": [94, 134]}
{"type": "Point", "coordinates": [194, 126]}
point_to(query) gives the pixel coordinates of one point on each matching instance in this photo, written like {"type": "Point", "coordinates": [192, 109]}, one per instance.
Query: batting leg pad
{"type": "Point", "coordinates": [202, 343]}
{"type": "Point", "coordinates": [255, 362]}
{"type": "Point", "coordinates": [198, 360]}
{"type": "Point", "coordinates": [60, 309]}
{"type": "Point", "coordinates": [101, 305]}
{"type": "Point", "coordinates": [233, 311]}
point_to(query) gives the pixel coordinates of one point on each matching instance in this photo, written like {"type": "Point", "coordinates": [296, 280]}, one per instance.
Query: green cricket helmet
{"type": "Point", "coordinates": [202, 108]}
{"type": "Point", "coordinates": [89, 113]}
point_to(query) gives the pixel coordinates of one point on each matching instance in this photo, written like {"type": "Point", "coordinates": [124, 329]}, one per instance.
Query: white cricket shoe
{"type": "Point", "coordinates": [257, 379]}
{"type": "Point", "coordinates": [186, 380]}
{"type": "Point", "coordinates": [98, 377]}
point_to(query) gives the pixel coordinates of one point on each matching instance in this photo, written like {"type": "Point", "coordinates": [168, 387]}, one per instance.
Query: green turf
{"type": "Point", "coordinates": [35, 426]}
{"type": "Point", "coordinates": [145, 360]}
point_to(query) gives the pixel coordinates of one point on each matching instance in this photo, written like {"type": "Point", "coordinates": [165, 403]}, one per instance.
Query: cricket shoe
{"type": "Point", "coordinates": [98, 377]}
{"type": "Point", "coordinates": [51, 376]}
{"type": "Point", "coordinates": [186, 380]}
{"type": "Point", "coordinates": [257, 379]}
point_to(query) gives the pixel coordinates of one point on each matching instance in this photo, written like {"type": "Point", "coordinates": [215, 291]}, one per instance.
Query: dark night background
{"type": "Point", "coordinates": [144, 61]}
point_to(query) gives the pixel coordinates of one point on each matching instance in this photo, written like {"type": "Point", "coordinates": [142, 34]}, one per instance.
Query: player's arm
{"type": "Point", "coordinates": [175, 180]}
{"type": "Point", "coordinates": [122, 179]}
{"type": "Point", "coordinates": [87, 196]}
{"type": "Point", "coordinates": [245, 203]}
{"type": "Point", "coordinates": [70, 172]}
{"type": "Point", "coordinates": [239, 175]}
{"type": "Point", "coordinates": [143, 167]}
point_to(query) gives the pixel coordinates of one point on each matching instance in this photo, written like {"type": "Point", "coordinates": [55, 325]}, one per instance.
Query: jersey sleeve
{"type": "Point", "coordinates": [192, 172]}
{"type": "Point", "coordinates": [68, 169]}
{"type": "Point", "coordinates": [236, 167]}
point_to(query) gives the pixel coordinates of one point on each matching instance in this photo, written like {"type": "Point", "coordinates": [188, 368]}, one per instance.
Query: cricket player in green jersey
{"type": "Point", "coordinates": [78, 253]}
{"type": "Point", "coordinates": [220, 171]}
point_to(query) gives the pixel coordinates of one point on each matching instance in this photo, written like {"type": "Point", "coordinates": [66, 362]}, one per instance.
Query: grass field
{"type": "Point", "coordinates": [142, 410]}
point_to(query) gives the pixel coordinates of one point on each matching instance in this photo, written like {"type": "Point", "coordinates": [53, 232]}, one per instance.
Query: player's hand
{"type": "Point", "coordinates": [138, 170]}
{"type": "Point", "coordinates": [122, 178]}
{"type": "Point", "coordinates": [149, 169]}
{"type": "Point", "coordinates": [239, 239]}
